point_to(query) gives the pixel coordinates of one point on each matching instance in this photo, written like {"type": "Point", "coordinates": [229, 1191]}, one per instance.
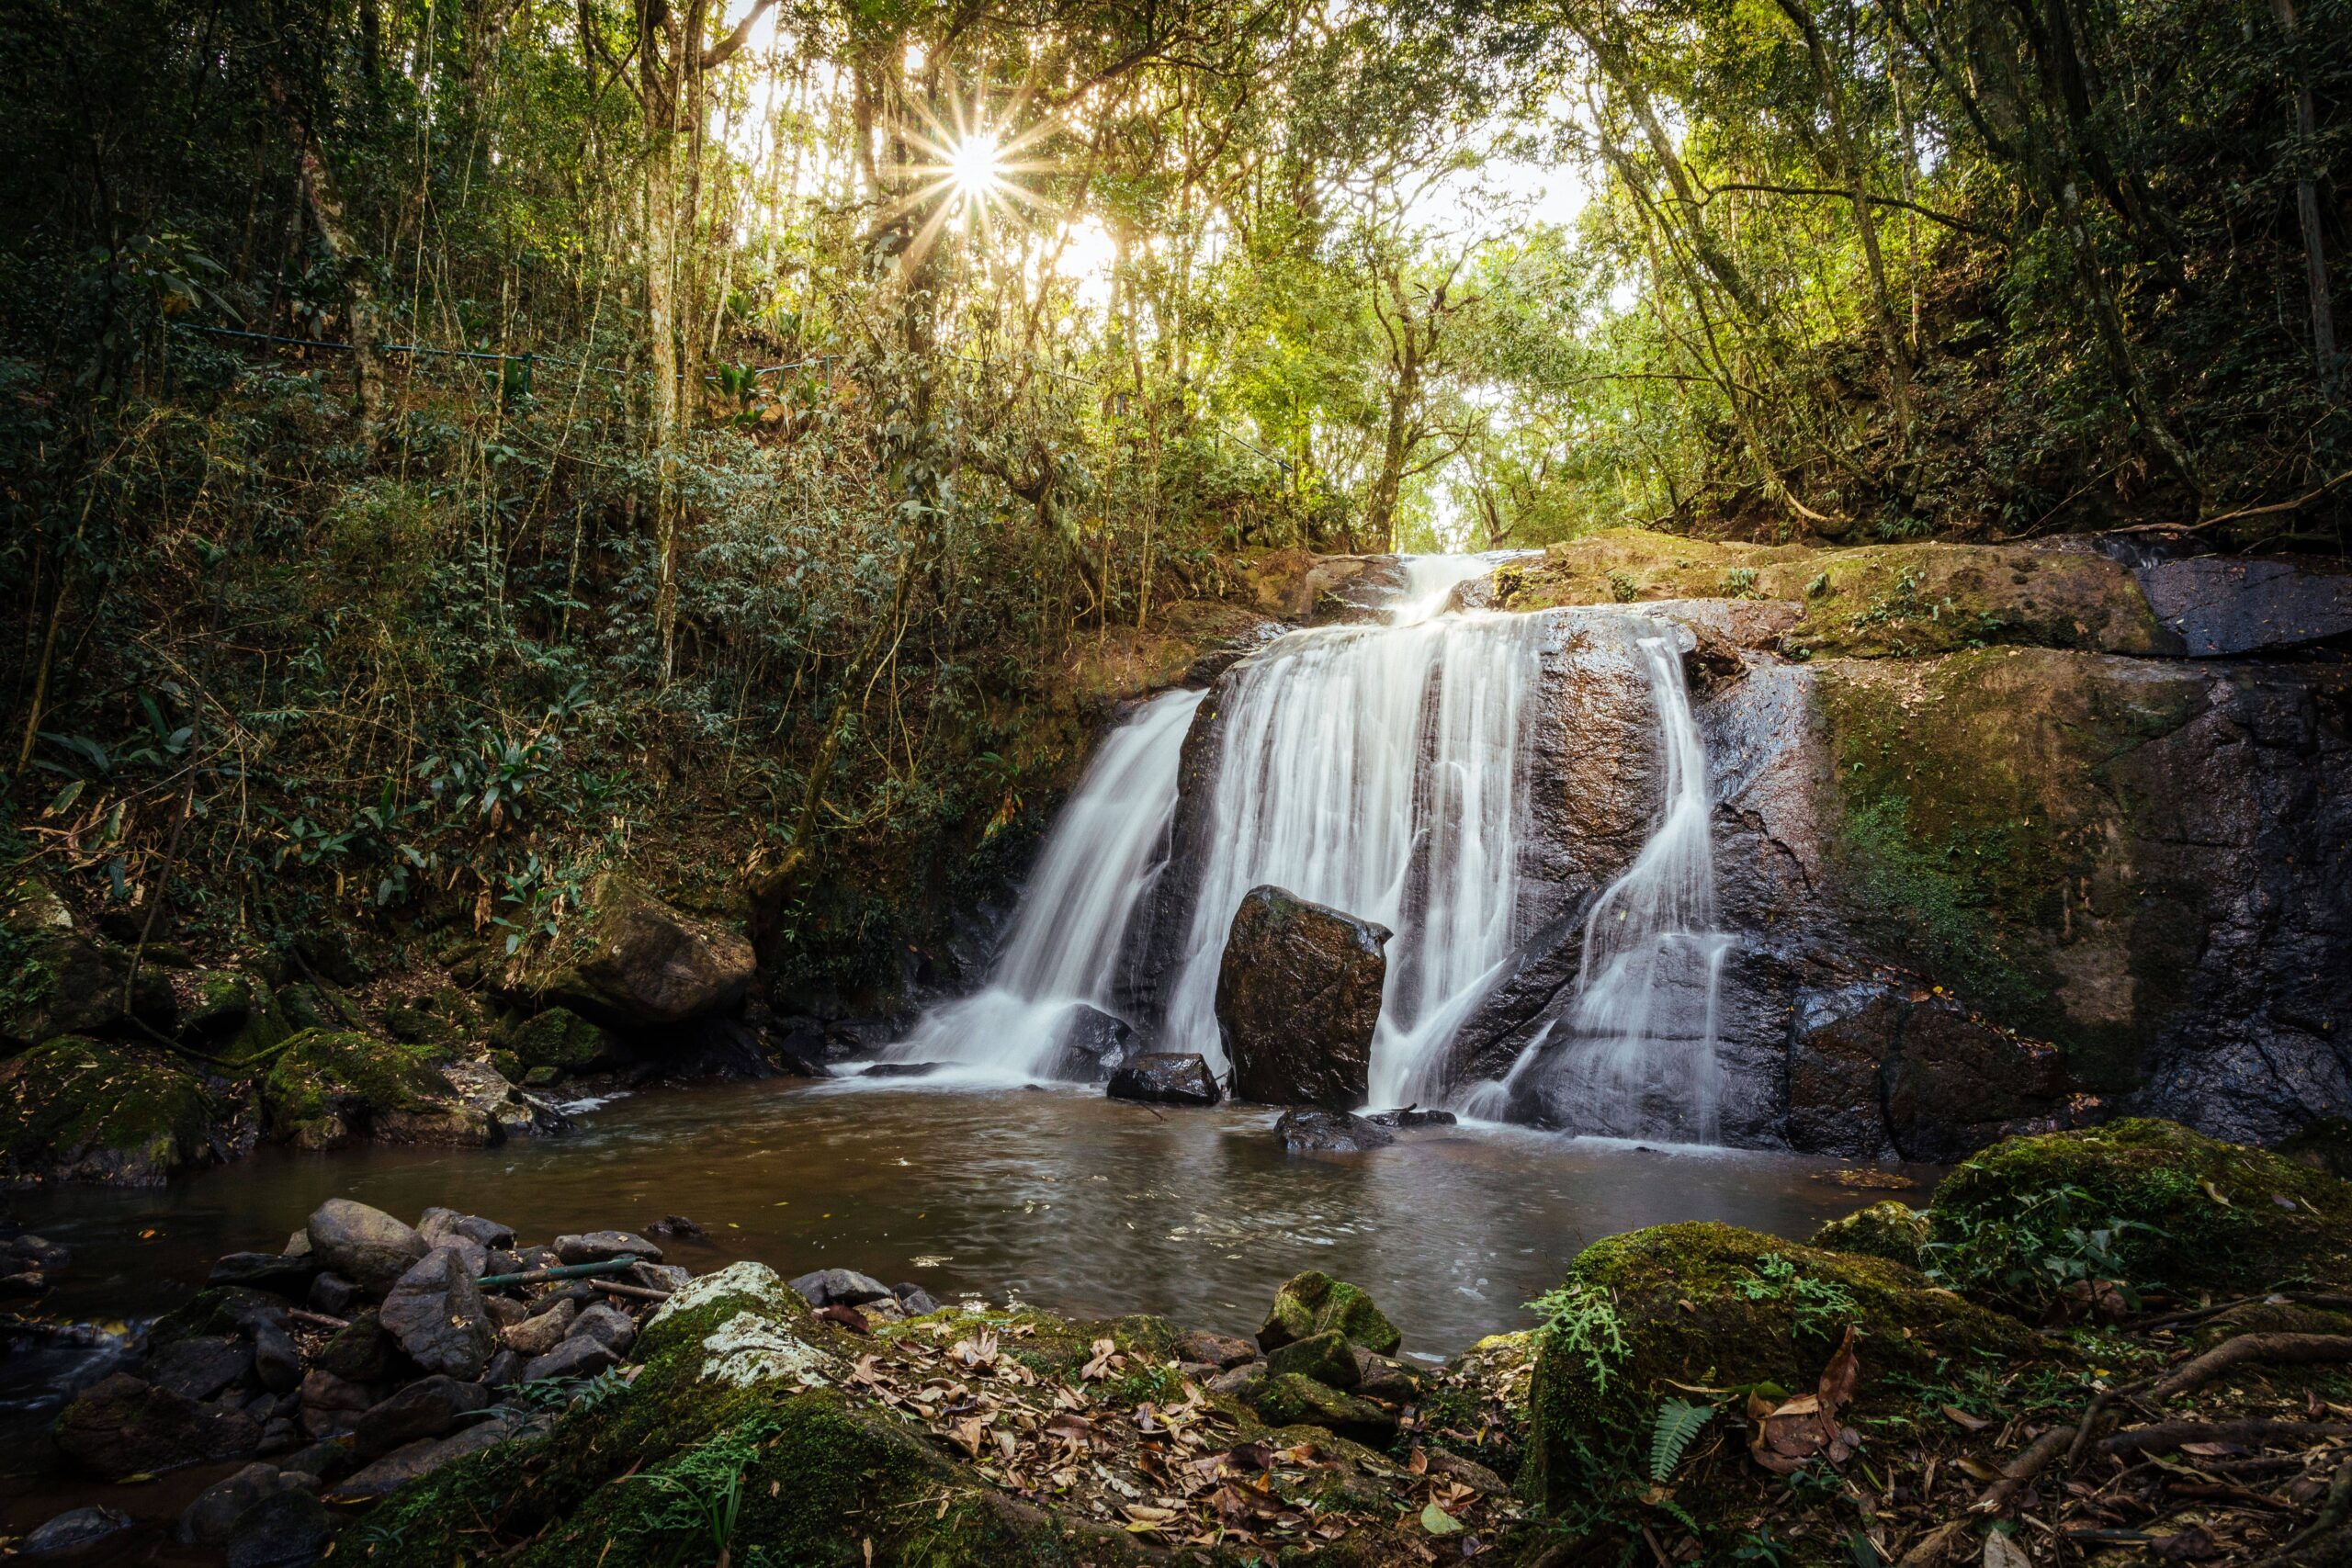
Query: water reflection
{"type": "Point", "coordinates": [1060, 1197]}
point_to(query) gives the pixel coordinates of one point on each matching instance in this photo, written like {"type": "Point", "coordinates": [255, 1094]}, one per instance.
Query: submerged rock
{"type": "Point", "coordinates": [1329, 1131]}
{"type": "Point", "coordinates": [1093, 1043]}
{"type": "Point", "coordinates": [1166, 1077]}
{"type": "Point", "coordinates": [74, 1531]}
{"type": "Point", "coordinates": [125, 1425]}
{"type": "Point", "coordinates": [1298, 998]}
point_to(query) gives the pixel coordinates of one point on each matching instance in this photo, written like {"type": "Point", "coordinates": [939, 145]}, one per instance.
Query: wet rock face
{"type": "Point", "coordinates": [1878, 1068]}
{"type": "Point", "coordinates": [1166, 1077]}
{"type": "Point", "coordinates": [1317, 1131]}
{"type": "Point", "coordinates": [1093, 1043]}
{"type": "Point", "coordinates": [2218, 606]}
{"type": "Point", "coordinates": [1297, 999]}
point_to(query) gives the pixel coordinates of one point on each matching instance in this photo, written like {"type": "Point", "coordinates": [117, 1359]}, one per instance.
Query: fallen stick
{"type": "Point", "coordinates": [316, 1319]}
{"type": "Point", "coordinates": [2166, 1435]}
{"type": "Point", "coordinates": [642, 1293]}
{"type": "Point", "coordinates": [561, 1272]}
{"type": "Point", "coordinates": [2283, 1350]}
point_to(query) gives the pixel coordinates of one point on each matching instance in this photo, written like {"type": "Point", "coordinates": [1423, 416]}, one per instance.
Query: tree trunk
{"type": "Point", "coordinates": [2307, 213]}
{"type": "Point", "coordinates": [661, 330]}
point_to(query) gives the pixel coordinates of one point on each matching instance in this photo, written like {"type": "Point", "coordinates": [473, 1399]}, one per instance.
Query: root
{"type": "Point", "coordinates": [2020, 1473]}
{"type": "Point", "coordinates": [2166, 1435]}
{"type": "Point", "coordinates": [2283, 1350]}
{"type": "Point", "coordinates": [2312, 1545]}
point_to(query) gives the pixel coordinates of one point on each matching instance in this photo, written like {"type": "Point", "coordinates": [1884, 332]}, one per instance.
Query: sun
{"type": "Point", "coordinates": [975, 166]}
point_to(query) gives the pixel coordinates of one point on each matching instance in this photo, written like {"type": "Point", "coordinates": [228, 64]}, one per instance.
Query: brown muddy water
{"type": "Point", "coordinates": [1060, 1198]}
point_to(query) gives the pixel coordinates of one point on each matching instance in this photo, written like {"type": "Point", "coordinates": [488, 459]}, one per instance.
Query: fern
{"type": "Point", "coordinates": [1678, 1421]}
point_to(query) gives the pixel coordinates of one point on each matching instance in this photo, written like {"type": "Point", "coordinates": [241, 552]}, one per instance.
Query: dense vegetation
{"type": "Point", "coordinates": [710, 435]}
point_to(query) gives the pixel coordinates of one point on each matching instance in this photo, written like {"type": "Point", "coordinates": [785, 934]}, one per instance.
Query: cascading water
{"type": "Point", "coordinates": [1377, 770]}
{"type": "Point", "coordinates": [1097, 868]}
{"type": "Point", "coordinates": [1636, 1054]}
{"type": "Point", "coordinates": [1382, 770]}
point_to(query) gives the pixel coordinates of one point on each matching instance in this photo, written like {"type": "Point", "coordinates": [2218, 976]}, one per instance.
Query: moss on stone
{"type": "Point", "coordinates": [78, 1109]}
{"type": "Point", "coordinates": [1290, 1400]}
{"type": "Point", "coordinates": [1874, 601]}
{"type": "Point", "coordinates": [327, 1086]}
{"type": "Point", "coordinates": [2196, 1214]}
{"type": "Point", "coordinates": [1987, 804]}
{"type": "Point", "coordinates": [1314, 1303]}
{"type": "Point", "coordinates": [1893, 1230]}
{"type": "Point", "coordinates": [1711, 1306]}
{"type": "Point", "coordinates": [560, 1038]}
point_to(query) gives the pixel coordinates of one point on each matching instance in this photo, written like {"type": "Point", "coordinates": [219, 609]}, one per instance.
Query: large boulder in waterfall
{"type": "Point", "coordinates": [1888, 1065]}
{"type": "Point", "coordinates": [1166, 1077]}
{"type": "Point", "coordinates": [642, 963]}
{"type": "Point", "coordinates": [1297, 999]}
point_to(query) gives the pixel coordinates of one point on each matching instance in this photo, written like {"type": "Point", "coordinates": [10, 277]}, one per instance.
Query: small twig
{"type": "Point", "coordinates": [641, 1293]}
{"type": "Point", "coordinates": [317, 1319]}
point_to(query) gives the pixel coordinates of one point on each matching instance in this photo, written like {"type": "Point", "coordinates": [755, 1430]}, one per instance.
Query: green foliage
{"type": "Point", "coordinates": [1820, 1306]}
{"type": "Point", "coordinates": [1580, 1321]}
{"type": "Point", "coordinates": [1679, 1423]}
{"type": "Point", "coordinates": [2056, 1238]}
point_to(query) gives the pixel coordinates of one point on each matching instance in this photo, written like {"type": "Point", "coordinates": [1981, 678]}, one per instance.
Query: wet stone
{"type": "Point", "coordinates": [74, 1531]}
{"type": "Point", "coordinates": [287, 1531]}
{"type": "Point", "coordinates": [602, 1246]}
{"type": "Point", "coordinates": [839, 1287]}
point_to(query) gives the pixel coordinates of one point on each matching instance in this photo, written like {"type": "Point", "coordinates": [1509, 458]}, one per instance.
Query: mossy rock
{"type": "Point", "coordinates": [737, 1378]}
{"type": "Point", "coordinates": [2326, 1145]}
{"type": "Point", "coordinates": [560, 1038]}
{"type": "Point", "coordinates": [1656, 1313]}
{"type": "Point", "coordinates": [56, 978]}
{"type": "Point", "coordinates": [1290, 1400]}
{"type": "Point", "coordinates": [78, 1109]}
{"type": "Point", "coordinates": [1327, 1358]}
{"type": "Point", "coordinates": [1987, 828]}
{"type": "Point", "coordinates": [1893, 1230]}
{"type": "Point", "coordinates": [330, 1086]}
{"type": "Point", "coordinates": [2198, 1215]}
{"type": "Point", "coordinates": [1312, 1304]}
{"type": "Point", "coordinates": [1872, 601]}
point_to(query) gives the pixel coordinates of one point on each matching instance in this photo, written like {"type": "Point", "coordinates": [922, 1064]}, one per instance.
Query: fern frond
{"type": "Point", "coordinates": [1678, 1421]}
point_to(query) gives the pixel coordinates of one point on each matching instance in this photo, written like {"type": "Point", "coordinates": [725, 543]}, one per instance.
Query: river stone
{"type": "Point", "coordinates": [208, 1520]}
{"type": "Point", "coordinates": [1165, 1078]}
{"type": "Point", "coordinates": [404, 1464]}
{"type": "Point", "coordinates": [330, 1404]}
{"type": "Point", "coordinates": [436, 1314]}
{"type": "Point", "coordinates": [602, 1246]}
{"type": "Point", "coordinates": [200, 1366]}
{"type": "Point", "coordinates": [360, 1351]}
{"type": "Point", "coordinates": [1093, 1043]}
{"type": "Point", "coordinates": [426, 1408]}
{"type": "Point", "coordinates": [1297, 999]}
{"type": "Point", "coordinates": [1296, 1401]}
{"type": "Point", "coordinates": [438, 1225]}
{"type": "Point", "coordinates": [1314, 1303]}
{"type": "Point", "coordinates": [1410, 1116]}
{"type": "Point", "coordinates": [287, 1529]}
{"type": "Point", "coordinates": [538, 1334]}
{"type": "Point", "coordinates": [124, 1425]}
{"type": "Point", "coordinates": [335, 1295]}
{"type": "Point", "coordinates": [1315, 1131]}
{"type": "Point", "coordinates": [575, 1358]}
{"type": "Point", "coordinates": [1384, 1379]}
{"type": "Point", "coordinates": [289, 1277]}
{"type": "Point", "coordinates": [913, 1300]}
{"type": "Point", "coordinates": [607, 1324]}
{"type": "Point", "coordinates": [277, 1362]}
{"type": "Point", "coordinates": [74, 1531]}
{"type": "Point", "coordinates": [1206, 1348]}
{"type": "Point", "coordinates": [643, 964]}
{"type": "Point", "coordinates": [1235, 1380]}
{"type": "Point", "coordinates": [840, 1287]}
{"type": "Point", "coordinates": [364, 1244]}
{"type": "Point", "coordinates": [1327, 1358]}
{"type": "Point", "coordinates": [39, 1252]}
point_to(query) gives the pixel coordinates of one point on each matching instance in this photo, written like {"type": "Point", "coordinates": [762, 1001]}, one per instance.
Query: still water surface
{"type": "Point", "coordinates": [1057, 1197]}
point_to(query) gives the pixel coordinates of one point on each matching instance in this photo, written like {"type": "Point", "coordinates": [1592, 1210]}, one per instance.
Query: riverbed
{"type": "Point", "coordinates": [1058, 1197]}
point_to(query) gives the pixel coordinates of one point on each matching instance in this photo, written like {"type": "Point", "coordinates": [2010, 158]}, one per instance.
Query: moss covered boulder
{"type": "Point", "coordinates": [2149, 1203]}
{"type": "Point", "coordinates": [560, 1039]}
{"type": "Point", "coordinates": [327, 1087]}
{"type": "Point", "coordinates": [1312, 1304]}
{"type": "Point", "coordinates": [58, 978]}
{"type": "Point", "coordinates": [77, 1110]}
{"type": "Point", "coordinates": [1709, 1313]}
{"type": "Point", "coordinates": [1893, 1230]}
{"type": "Point", "coordinates": [636, 963]}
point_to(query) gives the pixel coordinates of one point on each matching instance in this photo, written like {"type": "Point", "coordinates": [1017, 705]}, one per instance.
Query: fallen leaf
{"type": "Point", "coordinates": [1437, 1521]}
{"type": "Point", "coordinates": [2000, 1551]}
{"type": "Point", "coordinates": [1963, 1420]}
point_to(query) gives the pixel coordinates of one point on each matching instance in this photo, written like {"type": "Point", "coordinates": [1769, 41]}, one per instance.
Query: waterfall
{"type": "Point", "coordinates": [1636, 1054]}
{"type": "Point", "coordinates": [1377, 770]}
{"type": "Point", "coordinates": [1097, 868]}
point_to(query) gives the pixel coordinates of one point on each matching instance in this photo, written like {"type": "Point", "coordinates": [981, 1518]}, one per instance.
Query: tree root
{"type": "Point", "coordinates": [2020, 1473]}
{"type": "Point", "coordinates": [2284, 1349]}
{"type": "Point", "coordinates": [2311, 1545]}
{"type": "Point", "coordinates": [2166, 1435]}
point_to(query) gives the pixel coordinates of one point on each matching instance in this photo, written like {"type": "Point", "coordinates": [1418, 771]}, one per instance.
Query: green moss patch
{"type": "Point", "coordinates": [561, 1039]}
{"type": "Point", "coordinates": [79, 1110]}
{"type": "Point", "coordinates": [327, 1086]}
{"type": "Point", "coordinates": [2148, 1203]}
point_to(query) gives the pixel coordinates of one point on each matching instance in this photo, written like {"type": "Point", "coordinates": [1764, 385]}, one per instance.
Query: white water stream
{"type": "Point", "coordinates": [1382, 770]}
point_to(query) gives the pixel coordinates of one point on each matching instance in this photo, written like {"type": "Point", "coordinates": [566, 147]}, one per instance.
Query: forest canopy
{"type": "Point", "coordinates": [433, 428]}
